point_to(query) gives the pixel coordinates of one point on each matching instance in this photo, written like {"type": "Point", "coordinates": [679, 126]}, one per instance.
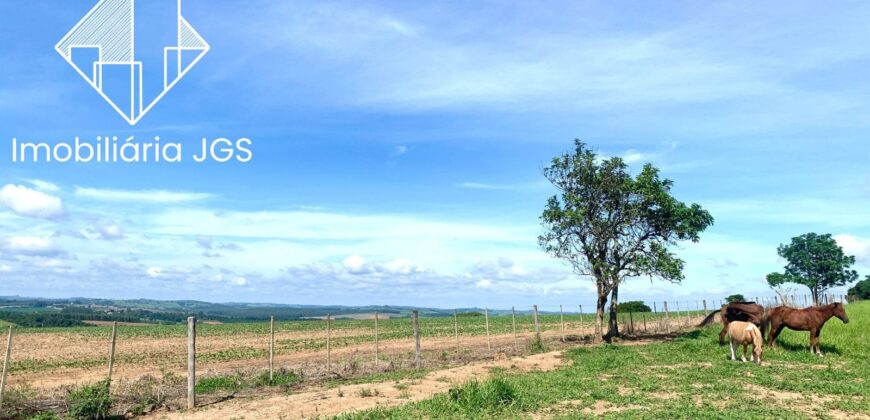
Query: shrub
{"type": "Point", "coordinates": [45, 415]}
{"type": "Point", "coordinates": [861, 290]}
{"type": "Point", "coordinates": [537, 346]}
{"type": "Point", "coordinates": [633, 306]}
{"type": "Point", "coordinates": [490, 395]}
{"type": "Point", "coordinates": [90, 402]}
{"type": "Point", "coordinates": [735, 298]}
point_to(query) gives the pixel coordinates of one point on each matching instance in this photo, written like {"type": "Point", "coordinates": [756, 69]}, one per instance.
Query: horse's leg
{"type": "Point", "coordinates": [774, 334]}
{"type": "Point", "coordinates": [732, 343]}
{"type": "Point", "coordinates": [743, 357]}
{"type": "Point", "coordinates": [819, 341]}
{"type": "Point", "coordinates": [723, 332]}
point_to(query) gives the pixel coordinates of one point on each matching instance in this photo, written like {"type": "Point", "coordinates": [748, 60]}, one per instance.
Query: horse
{"type": "Point", "coordinates": [810, 319]}
{"type": "Point", "coordinates": [737, 311]}
{"type": "Point", "coordinates": [745, 333]}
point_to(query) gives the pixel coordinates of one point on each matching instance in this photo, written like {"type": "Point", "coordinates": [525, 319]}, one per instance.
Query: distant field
{"type": "Point", "coordinates": [690, 377]}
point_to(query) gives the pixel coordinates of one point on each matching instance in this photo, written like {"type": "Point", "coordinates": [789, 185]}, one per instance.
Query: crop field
{"type": "Point", "coordinates": [690, 377]}
{"type": "Point", "coordinates": [52, 357]}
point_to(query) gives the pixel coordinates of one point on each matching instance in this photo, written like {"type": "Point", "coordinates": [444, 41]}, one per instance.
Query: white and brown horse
{"type": "Point", "coordinates": [745, 334]}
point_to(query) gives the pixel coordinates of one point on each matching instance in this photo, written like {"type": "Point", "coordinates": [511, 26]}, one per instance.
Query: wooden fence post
{"type": "Point", "coordinates": [377, 344]}
{"type": "Point", "coordinates": [328, 343]}
{"type": "Point", "coordinates": [486, 317]}
{"type": "Point", "coordinates": [191, 362]}
{"type": "Point", "coordinates": [417, 339]}
{"type": "Point", "coordinates": [514, 325]}
{"type": "Point", "coordinates": [643, 315]}
{"type": "Point", "coordinates": [631, 321]}
{"type": "Point", "coordinates": [705, 307]}
{"type": "Point", "coordinates": [562, 321]}
{"type": "Point", "coordinates": [112, 349]}
{"type": "Point", "coordinates": [667, 318]}
{"type": "Point", "coordinates": [271, 349]}
{"type": "Point", "coordinates": [655, 310]}
{"type": "Point", "coordinates": [456, 330]}
{"type": "Point", "coordinates": [6, 365]}
{"type": "Point", "coordinates": [537, 325]}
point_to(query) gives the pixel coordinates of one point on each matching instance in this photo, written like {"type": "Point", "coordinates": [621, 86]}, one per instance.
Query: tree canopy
{"type": "Point", "coordinates": [633, 306]}
{"type": "Point", "coordinates": [861, 290]}
{"type": "Point", "coordinates": [815, 261]}
{"type": "Point", "coordinates": [611, 225]}
{"type": "Point", "coordinates": [735, 298]}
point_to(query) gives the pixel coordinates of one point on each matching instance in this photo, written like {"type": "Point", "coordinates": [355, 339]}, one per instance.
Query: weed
{"type": "Point", "coordinates": [90, 402]}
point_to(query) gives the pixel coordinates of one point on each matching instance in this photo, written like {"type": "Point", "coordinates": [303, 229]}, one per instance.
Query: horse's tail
{"type": "Point", "coordinates": [765, 322]}
{"type": "Point", "coordinates": [709, 319]}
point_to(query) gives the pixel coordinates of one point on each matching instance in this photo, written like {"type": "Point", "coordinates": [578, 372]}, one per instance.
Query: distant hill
{"type": "Point", "coordinates": [41, 312]}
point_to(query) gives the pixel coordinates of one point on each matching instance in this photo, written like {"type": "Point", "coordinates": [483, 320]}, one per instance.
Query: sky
{"type": "Point", "coordinates": [398, 148]}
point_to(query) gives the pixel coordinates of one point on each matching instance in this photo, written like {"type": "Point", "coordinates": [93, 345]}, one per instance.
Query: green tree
{"type": "Point", "coordinates": [610, 225]}
{"type": "Point", "coordinates": [735, 298]}
{"type": "Point", "coordinates": [633, 306]}
{"type": "Point", "coordinates": [815, 261]}
{"type": "Point", "coordinates": [861, 290]}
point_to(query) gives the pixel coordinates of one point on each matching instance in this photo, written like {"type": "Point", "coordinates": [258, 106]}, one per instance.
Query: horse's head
{"type": "Point", "coordinates": [840, 312]}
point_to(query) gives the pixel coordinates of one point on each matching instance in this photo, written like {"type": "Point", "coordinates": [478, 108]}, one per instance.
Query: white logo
{"type": "Point", "coordinates": [121, 46]}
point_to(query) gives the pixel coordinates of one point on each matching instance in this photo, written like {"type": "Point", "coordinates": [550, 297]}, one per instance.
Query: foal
{"type": "Point", "coordinates": [745, 333]}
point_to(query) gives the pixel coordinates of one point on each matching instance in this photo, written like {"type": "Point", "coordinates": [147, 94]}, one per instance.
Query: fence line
{"type": "Point", "coordinates": [627, 323]}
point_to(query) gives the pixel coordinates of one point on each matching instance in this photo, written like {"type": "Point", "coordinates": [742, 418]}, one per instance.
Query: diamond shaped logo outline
{"type": "Point", "coordinates": [110, 28]}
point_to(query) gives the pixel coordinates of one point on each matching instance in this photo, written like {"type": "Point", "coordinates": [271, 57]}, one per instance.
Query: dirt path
{"type": "Point", "coordinates": [329, 402]}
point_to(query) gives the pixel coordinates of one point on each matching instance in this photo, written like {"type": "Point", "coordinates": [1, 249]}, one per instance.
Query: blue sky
{"type": "Point", "coordinates": [398, 147]}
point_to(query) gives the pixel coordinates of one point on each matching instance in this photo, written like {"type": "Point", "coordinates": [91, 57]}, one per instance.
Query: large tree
{"type": "Point", "coordinates": [815, 261]}
{"type": "Point", "coordinates": [611, 225]}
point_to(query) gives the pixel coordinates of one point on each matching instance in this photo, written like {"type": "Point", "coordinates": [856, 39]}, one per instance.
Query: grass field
{"type": "Point", "coordinates": [690, 377]}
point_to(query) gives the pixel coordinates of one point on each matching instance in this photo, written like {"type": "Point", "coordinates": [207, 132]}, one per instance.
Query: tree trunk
{"type": "Point", "coordinates": [815, 293]}
{"type": "Point", "coordinates": [612, 326]}
{"type": "Point", "coordinates": [599, 313]}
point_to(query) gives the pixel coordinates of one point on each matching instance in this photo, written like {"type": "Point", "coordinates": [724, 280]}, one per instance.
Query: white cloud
{"type": "Point", "coordinates": [853, 245]}
{"type": "Point", "coordinates": [400, 150]}
{"type": "Point", "coordinates": [153, 272]}
{"type": "Point", "coordinates": [43, 185]}
{"type": "Point", "coordinates": [484, 284]}
{"type": "Point", "coordinates": [355, 264]}
{"type": "Point", "coordinates": [147, 196]}
{"type": "Point", "coordinates": [110, 231]}
{"type": "Point", "coordinates": [525, 186]}
{"type": "Point", "coordinates": [633, 156]}
{"type": "Point", "coordinates": [5, 269]}
{"type": "Point", "coordinates": [31, 246]}
{"type": "Point", "coordinates": [28, 202]}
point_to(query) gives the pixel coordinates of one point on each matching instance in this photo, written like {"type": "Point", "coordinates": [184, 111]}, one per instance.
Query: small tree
{"type": "Point", "coordinates": [611, 226]}
{"type": "Point", "coordinates": [633, 306]}
{"type": "Point", "coordinates": [815, 261]}
{"type": "Point", "coordinates": [861, 290]}
{"type": "Point", "coordinates": [735, 298]}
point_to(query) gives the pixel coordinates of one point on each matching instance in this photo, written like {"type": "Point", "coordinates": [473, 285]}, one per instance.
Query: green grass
{"type": "Point", "coordinates": [690, 377]}
{"type": "Point", "coordinates": [237, 381]}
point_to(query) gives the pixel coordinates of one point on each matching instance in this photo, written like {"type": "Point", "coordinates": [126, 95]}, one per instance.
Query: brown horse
{"type": "Point", "coordinates": [737, 311]}
{"type": "Point", "coordinates": [810, 319]}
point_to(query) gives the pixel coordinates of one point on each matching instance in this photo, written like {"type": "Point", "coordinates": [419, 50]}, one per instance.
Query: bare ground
{"type": "Point", "coordinates": [329, 402]}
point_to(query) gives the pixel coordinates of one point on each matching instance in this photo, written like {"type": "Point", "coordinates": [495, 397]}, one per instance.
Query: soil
{"type": "Point", "coordinates": [329, 402]}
